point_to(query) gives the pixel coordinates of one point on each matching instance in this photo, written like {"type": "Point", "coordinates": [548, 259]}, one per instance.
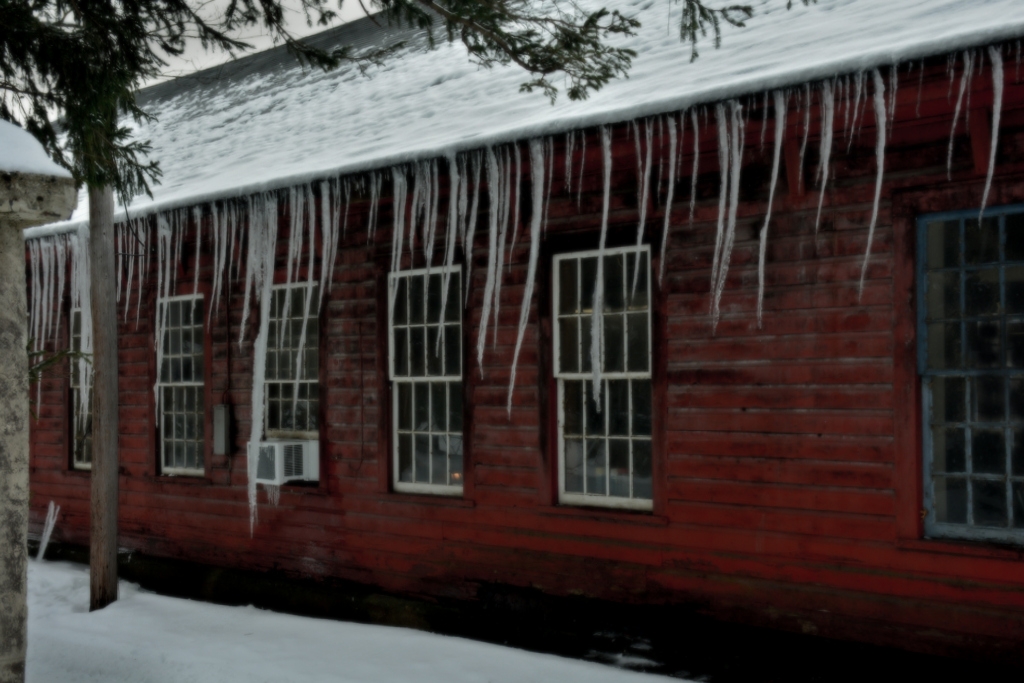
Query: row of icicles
{"type": "Point", "coordinates": [238, 252]}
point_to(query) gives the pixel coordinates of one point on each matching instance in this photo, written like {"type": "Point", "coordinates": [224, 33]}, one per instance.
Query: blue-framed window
{"type": "Point", "coordinates": [971, 363]}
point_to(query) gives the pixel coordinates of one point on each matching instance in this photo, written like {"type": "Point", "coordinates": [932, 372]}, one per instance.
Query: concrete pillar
{"type": "Point", "coordinates": [26, 200]}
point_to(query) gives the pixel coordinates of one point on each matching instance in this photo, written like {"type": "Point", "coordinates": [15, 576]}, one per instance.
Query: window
{"type": "Point", "coordinates": [293, 363]}
{"type": "Point", "coordinates": [971, 358]}
{"type": "Point", "coordinates": [426, 371]}
{"type": "Point", "coordinates": [604, 448]}
{"type": "Point", "coordinates": [81, 406]}
{"type": "Point", "coordinates": [181, 386]}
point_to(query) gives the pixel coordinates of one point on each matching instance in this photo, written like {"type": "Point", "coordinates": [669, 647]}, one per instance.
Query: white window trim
{"type": "Point", "coordinates": [180, 471]}
{"type": "Point", "coordinates": [587, 499]}
{"type": "Point", "coordinates": [418, 487]}
{"type": "Point", "coordinates": [285, 434]}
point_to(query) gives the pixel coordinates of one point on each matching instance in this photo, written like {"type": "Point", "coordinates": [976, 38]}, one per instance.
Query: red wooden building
{"type": "Point", "coordinates": [840, 454]}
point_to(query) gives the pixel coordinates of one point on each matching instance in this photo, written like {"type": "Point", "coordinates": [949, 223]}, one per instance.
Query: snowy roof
{"type": "Point", "coordinates": [20, 152]}
{"type": "Point", "coordinates": [263, 122]}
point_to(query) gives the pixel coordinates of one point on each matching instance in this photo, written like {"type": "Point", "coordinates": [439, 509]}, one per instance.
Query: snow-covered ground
{"type": "Point", "coordinates": [145, 637]}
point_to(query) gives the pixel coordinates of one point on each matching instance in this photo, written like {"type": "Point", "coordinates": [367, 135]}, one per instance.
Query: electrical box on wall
{"type": "Point", "coordinates": [221, 429]}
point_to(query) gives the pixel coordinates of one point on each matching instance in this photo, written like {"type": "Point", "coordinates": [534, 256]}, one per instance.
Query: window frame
{"type": "Point", "coordinates": [586, 499]}
{"type": "Point", "coordinates": [968, 530]}
{"type": "Point", "coordinates": [204, 443]}
{"type": "Point", "coordinates": [450, 490]}
{"type": "Point", "coordinates": [314, 314]}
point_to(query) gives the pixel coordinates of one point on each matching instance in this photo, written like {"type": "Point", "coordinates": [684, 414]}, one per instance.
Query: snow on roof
{"type": "Point", "coordinates": [264, 122]}
{"type": "Point", "coordinates": [20, 152]}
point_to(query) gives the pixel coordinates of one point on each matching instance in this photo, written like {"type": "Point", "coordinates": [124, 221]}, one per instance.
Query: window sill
{"type": "Point", "coordinates": [945, 546]}
{"type": "Point", "coordinates": [606, 515]}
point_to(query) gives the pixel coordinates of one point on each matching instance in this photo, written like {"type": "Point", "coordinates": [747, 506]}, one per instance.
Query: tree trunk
{"type": "Point", "coordinates": [13, 453]}
{"type": "Point", "coordinates": [103, 505]}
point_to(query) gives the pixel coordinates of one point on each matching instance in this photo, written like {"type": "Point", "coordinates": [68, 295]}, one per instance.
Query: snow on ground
{"type": "Point", "coordinates": [150, 638]}
{"type": "Point", "coordinates": [275, 128]}
{"type": "Point", "coordinates": [20, 152]}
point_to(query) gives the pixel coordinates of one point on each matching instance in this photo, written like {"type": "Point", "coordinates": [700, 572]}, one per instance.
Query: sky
{"type": "Point", "coordinates": [195, 58]}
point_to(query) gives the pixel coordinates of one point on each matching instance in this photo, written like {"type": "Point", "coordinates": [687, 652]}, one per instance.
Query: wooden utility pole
{"type": "Point", "coordinates": [103, 504]}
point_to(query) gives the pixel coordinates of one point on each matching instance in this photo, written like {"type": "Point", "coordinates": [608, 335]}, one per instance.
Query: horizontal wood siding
{"type": "Point", "coordinates": [785, 490]}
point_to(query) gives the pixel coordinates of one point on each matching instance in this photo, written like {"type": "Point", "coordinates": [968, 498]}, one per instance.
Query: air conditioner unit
{"type": "Point", "coordinates": [280, 461]}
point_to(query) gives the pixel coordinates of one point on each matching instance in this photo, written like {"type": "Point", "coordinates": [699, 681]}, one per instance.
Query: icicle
{"type": "Point", "coordinates": [550, 152]}
{"type": "Point", "coordinates": [537, 192]}
{"type": "Point", "coordinates": [493, 191]}
{"type": "Point", "coordinates": [723, 165]}
{"type": "Point", "coordinates": [673, 153]}
{"type": "Point", "coordinates": [951, 70]}
{"type": "Point", "coordinates": [260, 271]}
{"type": "Point", "coordinates": [60, 246]}
{"type": "Point", "coordinates": [371, 221]}
{"type": "Point", "coordinates": [81, 298]}
{"type": "Point", "coordinates": [515, 205]}
{"type": "Point", "coordinates": [997, 110]}
{"type": "Point", "coordinates": [880, 162]}
{"type": "Point", "coordinates": [399, 193]}
{"type": "Point", "coordinates": [300, 356]}
{"type": "Point", "coordinates": [583, 161]}
{"type": "Point", "coordinates": [451, 232]}
{"type": "Point", "coordinates": [828, 116]}
{"type": "Point", "coordinates": [858, 91]}
{"type": "Point", "coordinates": [696, 163]}
{"type": "Point", "coordinates": [781, 105]}
{"type": "Point", "coordinates": [735, 164]}
{"type": "Point", "coordinates": [570, 143]}
{"type": "Point", "coordinates": [964, 80]}
{"type": "Point", "coordinates": [843, 95]}
{"type": "Point", "coordinates": [894, 84]}
{"type": "Point", "coordinates": [764, 119]}
{"type": "Point", "coordinates": [807, 131]}
{"type": "Point", "coordinates": [197, 216]}
{"type": "Point", "coordinates": [597, 314]}
{"type": "Point", "coordinates": [661, 158]}
{"type": "Point", "coordinates": [48, 524]}
{"type": "Point", "coordinates": [143, 267]}
{"type": "Point", "coordinates": [644, 188]}
{"type": "Point", "coordinates": [471, 218]}
{"type": "Point", "coordinates": [504, 202]}
{"type": "Point", "coordinates": [430, 228]}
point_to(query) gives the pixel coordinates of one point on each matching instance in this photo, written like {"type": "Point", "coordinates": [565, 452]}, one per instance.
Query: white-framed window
{"type": "Point", "coordinates": [425, 368]}
{"type": "Point", "coordinates": [182, 386]}
{"type": "Point", "coordinates": [604, 446]}
{"type": "Point", "coordinates": [81, 407]}
{"type": "Point", "coordinates": [293, 363]}
{"type": "Point", "coordinates": [971, 363]}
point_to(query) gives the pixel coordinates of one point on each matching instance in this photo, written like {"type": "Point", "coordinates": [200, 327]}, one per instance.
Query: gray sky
{"type": "Point", "coordinates": [196, 58]}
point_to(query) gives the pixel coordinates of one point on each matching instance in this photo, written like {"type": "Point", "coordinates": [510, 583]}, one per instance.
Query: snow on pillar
{"type": "Point", "coordinates": [33, 191]}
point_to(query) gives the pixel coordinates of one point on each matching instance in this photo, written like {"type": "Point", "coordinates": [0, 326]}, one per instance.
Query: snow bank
{"type": "Point", "coordinates": [20, 152]}
{"type": "Point", "coordinates": [268, 128]}
{"type": "Point", "coordinates": [149, 638]}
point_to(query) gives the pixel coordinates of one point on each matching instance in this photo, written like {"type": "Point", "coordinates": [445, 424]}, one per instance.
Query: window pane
{"type": "Point", "coordinates": [988, 451]}
{"type": "Point", "coordinates": [1014, 236]}
{"type": "Point", "coordinates": [637, 347]}
{"type": "Point", "coordinates": [949, 399]}
{"type": "Point", "coordinates": [943, 244]}
{"type": "Point", "coordinates": [421, 406]}
{"type": "Point", "coordinates": [417, 352]}
{"type": "Point", "coordinates": [1014, 289]}
{"type": "Point", "coordinates": [618, 407]}
{"type": "Point", "coordinates": [1018, 504]}
{"type": "Point", "coordinates": [455, 407]}
{"type": "Point", "coordinates": [944, 294]}
{"type": "Point", "coordinates": [596, 466]}
{"type": "Point", "coordinates": [642, 469]}
{"type": "Point", "coordinates": [422, 457]}
{"type": "Point", "coordinates": [618, 467]}
{"type": "Point", "coordinates": [614, 353]}
{"type": "Point", "coordinates": [637, 281]}
{"type": "Point", "coordinates": [568, 352]}
{"type": "Point", "coordinates": [981, 292]}
{"type": "Point", "coordinates": [989, 503]}
{"type": "Point", "coordinates": [1018, 453]}
{"type": "Point", "coordinates": [593, 410]}
{"type": "Point", "coordinates": [588, 278]}
{"type": "Point", "coordinates": [572, 405]}
{"type": "Point", "coordinates": [574, 465]}
{"type": "Point", "coordinates": [416, 299]}
{"type": "Point", "coordinates": [452, 351]}
{"type": "Point", "coordinates": [951, 500]}
{"type": "Point", "coordinates": [642, 407]}
{"type": "Point", "coordinates": [439, 460]}
{"type": "Point", "coordinates": [455, 459]}
{"type": "Point", "coordinates": [1015, 344]}
{"type": "Point", "coordinates": [949, 446]}
{"type": "Point", "coordinates": [401, 309]}
{"type": "Point", "coordinates": [454, 305]}
{"type": "Point", "coordinates": [614, 283]}
{"type": "Point", "coordinates": [438, 407]}
{"type": "Point", "coordinates": [989, 400]}
{"type": "Point", "coordinates": [434, 299]}
{"type": "Point", "coordinates": [435, 357]}
{"type": "Point", "coordinates": [405, 457]}
{"type": "Point", "coordinates": [983, 344]}
{"type": "Point", "coordinates": [944, 346]}
{"type": "Point", "coordinates": [981, 242]}
{"type": "Point", "coordinates": [401, 353]}
{"type": "Point", "coordinates": [567, 286]}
